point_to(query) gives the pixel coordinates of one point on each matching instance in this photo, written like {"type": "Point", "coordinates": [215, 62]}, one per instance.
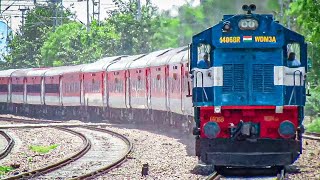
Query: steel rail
{"type": "Point", "coordinates": [34, 173]}
{"type": "Point", "coordinates": [214, 176]}
{"type": "Point", "coordinates": [28, 120]}
{"type": "Point", "coordinates": [117, 163]}
{"type": "Point", "coordinates": [9, 145]}
{"type": "Point", "coordinates": [311, 136]}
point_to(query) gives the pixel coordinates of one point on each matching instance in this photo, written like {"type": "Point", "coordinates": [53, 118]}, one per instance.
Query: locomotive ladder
{"type": "Point", "coordinates": [204, 91]}
{"type": "Point", "coordinates": [293, 92]}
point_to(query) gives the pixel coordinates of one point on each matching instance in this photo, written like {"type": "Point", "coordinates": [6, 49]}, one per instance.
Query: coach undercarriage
{"type": "Point", "coordinates": [101, 114]}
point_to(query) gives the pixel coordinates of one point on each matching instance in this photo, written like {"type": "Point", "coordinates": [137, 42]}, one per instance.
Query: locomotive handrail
{"type": "Point", "coordinates": [293, 92]}
{"type": "Point", "coordinates": [204, 92]}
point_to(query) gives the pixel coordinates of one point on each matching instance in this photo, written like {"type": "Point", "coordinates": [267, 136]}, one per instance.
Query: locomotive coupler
{"type": "Point", "coordinates": [243, 131]}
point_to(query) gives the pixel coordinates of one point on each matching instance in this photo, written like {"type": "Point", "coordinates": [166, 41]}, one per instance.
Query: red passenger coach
{"type": "Point", "coordinates": [18, 89]}
{"type": "Point", "coordinates": [63, 88]}
{"type": "Point", "coordinates": [52, 85]}
{"type": "Point", "coordinates": [94, 80]}
{"type": "Point", "coordinates": [160, 88]}
{"type": "Point", "coordinates": [178, 82]}
{"type": "Point", "coordinates": [71, 80]}
{"type": "Point", "coordinates": [34, 83]}
{"type": "Point", "coordinates": [140, 84]}
{"type": "Point", "coordinates": [5, 88]}
{"type": "Point", "coordinates": [118, 80]}
{"type": "Point", "coordinates": [18, 80]}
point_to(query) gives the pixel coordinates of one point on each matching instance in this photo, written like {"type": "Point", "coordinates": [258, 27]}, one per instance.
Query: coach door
{"type": "Point", "coordinates": [24, 90]}
{"type": "Point", "coordinates": [127, 89]}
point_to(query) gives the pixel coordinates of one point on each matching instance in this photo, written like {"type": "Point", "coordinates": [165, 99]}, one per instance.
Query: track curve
{"type": "Point", "coordinates": [108, 150]}
{"type": "Point", "coordinates": [34, 173]}
{"type": "Point", "coordinates": [9, 146]}
{"type": "Point", "coordinates": [311, 136]}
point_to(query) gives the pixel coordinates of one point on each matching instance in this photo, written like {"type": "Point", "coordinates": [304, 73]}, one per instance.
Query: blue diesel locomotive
{"type": "Point", "coordinates": [249, 93]}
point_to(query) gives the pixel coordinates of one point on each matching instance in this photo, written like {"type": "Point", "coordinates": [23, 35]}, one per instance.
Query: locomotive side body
{"type": "Point", "coordinates": [248, 101]}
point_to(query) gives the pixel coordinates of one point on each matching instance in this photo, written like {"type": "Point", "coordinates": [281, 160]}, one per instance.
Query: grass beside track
{"type": "Point", "coordinates": [314, 126]}
{"type": "Point", "coordinates": [5, 169]}
{"type": "Point", "coordinates": [43, 149]}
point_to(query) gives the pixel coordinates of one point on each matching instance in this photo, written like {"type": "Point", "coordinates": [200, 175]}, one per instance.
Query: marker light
{"type": "Point", "coordinates": [226, 27]}
{"type": "Point", "coordinates": [248, 24]}
{"type": "Point", "coordinates": [287, 129]}
{"type": "Point", "coordinates": [211, 129]}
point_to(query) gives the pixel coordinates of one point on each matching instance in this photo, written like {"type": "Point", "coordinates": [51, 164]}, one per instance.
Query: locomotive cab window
{"type": "Point", "coordinates": [204, 59]}
{"type": "Point", "coordinates": [293, 55]}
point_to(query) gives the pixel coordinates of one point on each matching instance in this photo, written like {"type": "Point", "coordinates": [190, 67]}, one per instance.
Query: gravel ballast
{"type": "Point", "coordinates": [170, 155]}
{"type": "Point", "coordinates": [308, 163]}
{"type": "Point", "coordinates": [166, 156]}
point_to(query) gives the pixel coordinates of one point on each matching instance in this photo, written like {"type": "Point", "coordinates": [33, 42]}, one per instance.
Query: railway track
{"type": "Point", "coordinates": [108, 150]}
{"type": "Point", "coordinates": [88, 153]}
{"type": "Point", "coordinates": [217, 176]}
{"type": "Point", "coordinates": [36, 121]}
{"type": "Point", "coordinates": [9, 145]}
{"type": "Point", "coordinates": [214, 176]}
{"type": "Point", "coordinates": [34, 173]}
{"type": "Point", "coordinates": [311, 136]}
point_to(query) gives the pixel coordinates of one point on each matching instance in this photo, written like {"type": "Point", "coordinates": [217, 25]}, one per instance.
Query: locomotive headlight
{"type": "Point", "coordinates": [211, 129]}
{"type": "Point", "coordinates": [287, 129]}
{"type": "Point", "coordinates": [248, 24]}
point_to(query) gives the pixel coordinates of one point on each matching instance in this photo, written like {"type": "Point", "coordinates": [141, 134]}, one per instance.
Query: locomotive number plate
{"type": "Point", "coordinates": [216, 119]}
{"type": "Point", "coordinates": [232, 39]}
{"type": "Point", "coordinates": [271, 118]}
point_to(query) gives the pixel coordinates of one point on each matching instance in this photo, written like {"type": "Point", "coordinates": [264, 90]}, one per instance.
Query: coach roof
{"type": "Point", "coordinates": [164, 58]}
{"type": "Point", "coordinates": [21, 72]}
{"type": "Point", "coordinates": [57, 71]}
{"type": "Point", "coordinates": [180, 57]}
{"type": "Point", "coordinates": [37, 72]}
{"type": "Point", "coordinates": [101, 65]}
{"type": "Point", "coordinates": [142, 62]}
{"type": "Point", "coordinates": [7, 73]}
{"type": "Point", "coordinates": [124, 63]}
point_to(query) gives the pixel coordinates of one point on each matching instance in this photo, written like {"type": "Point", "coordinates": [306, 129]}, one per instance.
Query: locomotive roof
{"type": "Point", "coordinates": [124, 63]}
{"type": "Point", "coordinates": [7, 73]}
{"type": "Point", "coordinates": [56, 71]}
{"type": "Point", "coordinates": [101, 65]}
{"type": "Point", "coordinates": [164, 58]}
{"type": "Point", "coordinates": [142, 62]}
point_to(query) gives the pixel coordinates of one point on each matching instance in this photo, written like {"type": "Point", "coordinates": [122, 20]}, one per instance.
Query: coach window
{"type": "Point", "coordinates": [3, 88]}
{"type": "Point", "coordinates": [52, 88]}
{"type": "Point", "coordinates": [204, 59]}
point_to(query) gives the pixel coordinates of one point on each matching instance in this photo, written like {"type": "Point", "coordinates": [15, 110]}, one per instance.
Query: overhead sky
{"type": "Point", "coordinates": [80, 8]}
{"type": "Point", "coordinates": [107, 5]}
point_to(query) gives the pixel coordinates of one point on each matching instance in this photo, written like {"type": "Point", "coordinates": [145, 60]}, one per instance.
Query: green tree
{"type": "Point", "coordinates": [192, 20]}
{"type": "Point", "coordinates": [137, 35]}
{"type": "Point", "coordinates": [71, 44]}
{"type": "Point", "coordinates": [307, 19]}
{"type": "Point", "coordinates": [25, 46]}
{"type": "Point", "coordinates": [306, 16]}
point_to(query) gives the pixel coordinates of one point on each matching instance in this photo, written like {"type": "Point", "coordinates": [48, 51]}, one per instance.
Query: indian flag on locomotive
{"type": "Point", "coordinates": [247, 38]}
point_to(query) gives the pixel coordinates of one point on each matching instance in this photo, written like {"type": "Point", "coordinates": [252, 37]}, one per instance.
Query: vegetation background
{"type": "Point", "coordinates": [39, 44]}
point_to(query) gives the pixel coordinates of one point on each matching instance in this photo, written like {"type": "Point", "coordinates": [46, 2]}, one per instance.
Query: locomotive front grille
{"type": "Point", "coordinates": [233, 78]}
{"type": "Point", "coordinates": [262, 78]}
